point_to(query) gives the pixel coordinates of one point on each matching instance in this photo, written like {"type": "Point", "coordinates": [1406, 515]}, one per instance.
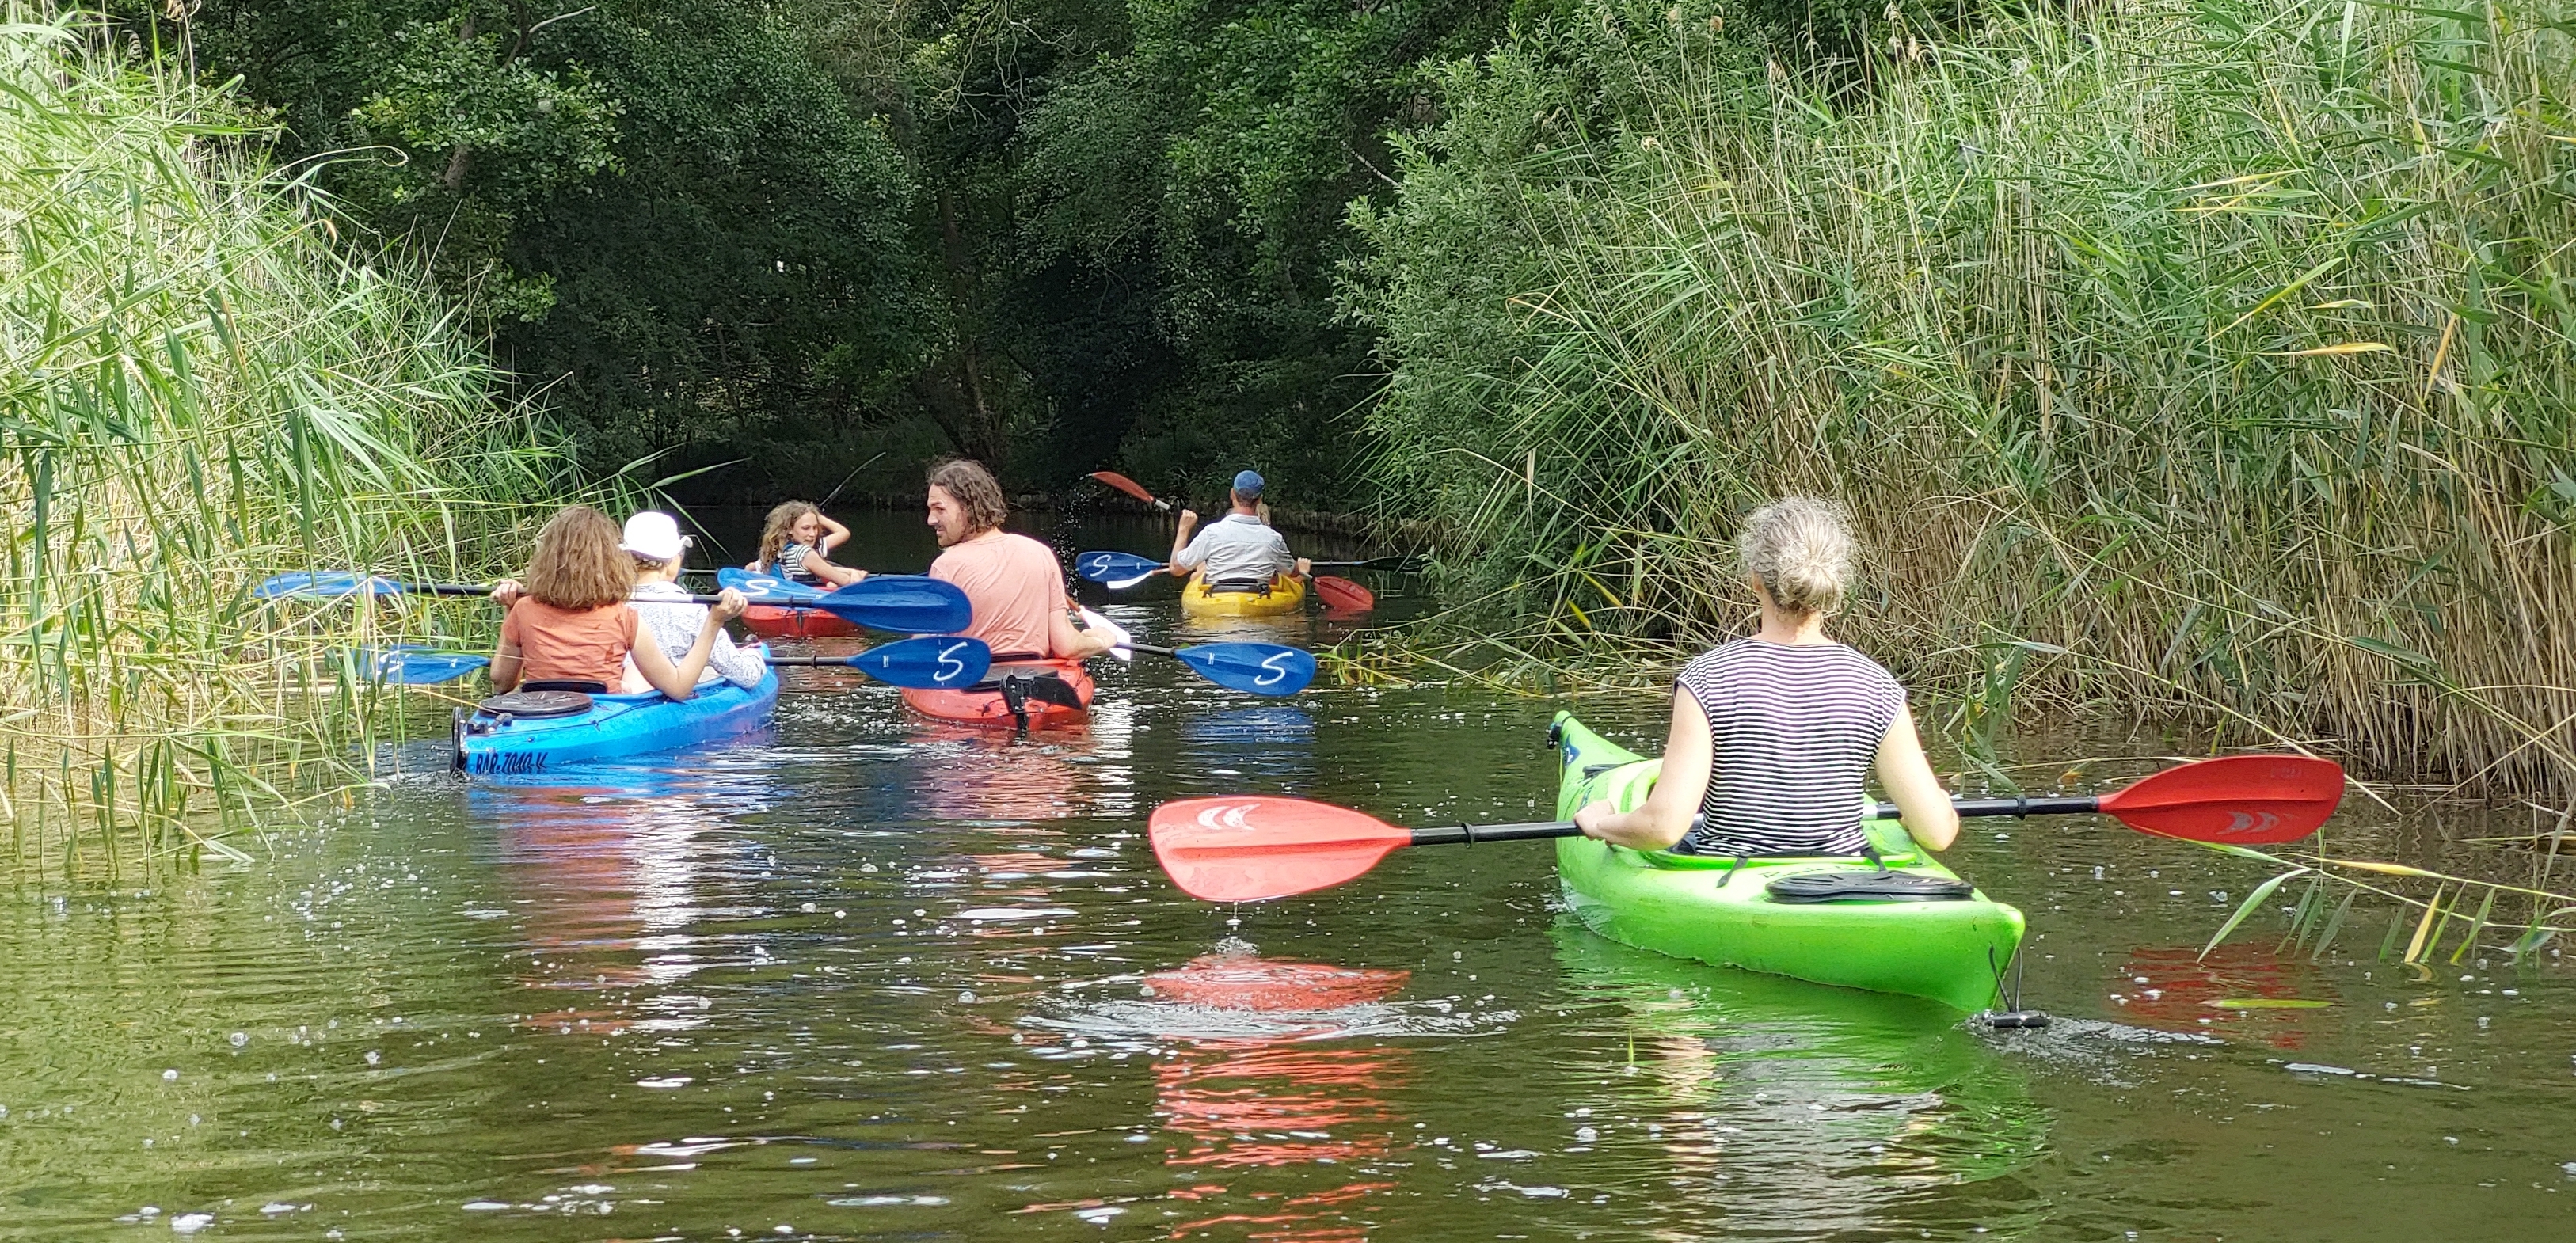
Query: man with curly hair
{"type": "Point", "coordinates": [1014, 582]}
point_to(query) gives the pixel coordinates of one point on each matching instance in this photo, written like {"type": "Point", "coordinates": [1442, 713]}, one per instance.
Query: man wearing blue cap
{"type": "Point", "coordinates": [1238, 552]}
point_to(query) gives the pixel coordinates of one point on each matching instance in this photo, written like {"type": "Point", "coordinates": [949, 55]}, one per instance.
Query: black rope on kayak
{"type": "Point", "coordinates": [1740, 861]}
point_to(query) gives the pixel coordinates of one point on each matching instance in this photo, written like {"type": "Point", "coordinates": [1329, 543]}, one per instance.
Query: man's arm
{"type": "Point", "coordinates": [1182, 562]}
{"type": "Point", "coordinates": [1071, 641]}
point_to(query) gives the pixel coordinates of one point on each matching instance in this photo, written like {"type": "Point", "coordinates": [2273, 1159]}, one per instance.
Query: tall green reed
{"type": "Point", "coordinates": [2212, 356]}
{"type": "Point", "coordinates": [198, 390]}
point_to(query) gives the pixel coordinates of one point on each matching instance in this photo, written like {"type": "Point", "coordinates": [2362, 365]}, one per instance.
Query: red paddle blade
{"type": "Point", "coordinates": [1344, 595]}
{"type": "Point", "coordinates": [2235, 800]}
{"type": "Point", "coordinates": [1250, 848]}
{"type": "Point", "coordinates": [1126, 485]}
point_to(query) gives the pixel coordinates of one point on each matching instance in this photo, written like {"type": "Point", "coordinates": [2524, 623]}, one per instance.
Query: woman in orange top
{"type": "Point", "coordinates": [569, 626]}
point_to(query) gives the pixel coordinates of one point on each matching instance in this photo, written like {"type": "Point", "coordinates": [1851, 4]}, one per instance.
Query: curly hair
{"type": "Point", "coordinates": [578, 564]}
{"type": "Point", "coordinates": [774, 531]}
{"type": "Point", "coordinates": [974, 489]}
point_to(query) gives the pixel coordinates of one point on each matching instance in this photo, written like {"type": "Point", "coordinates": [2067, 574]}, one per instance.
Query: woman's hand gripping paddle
{"type": "Point", "coordinates": [1252, 848]}
{"type": "Point", "coordinates": [927, 664]}
{"type": "Point", "coordinates": [902, 603]}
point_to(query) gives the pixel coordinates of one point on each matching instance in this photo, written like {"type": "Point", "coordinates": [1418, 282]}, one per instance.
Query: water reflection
{"type": "Point", "coordinates": [1789, 1108]}
{"type": "Point", "coordinates": [2235, 990]}
{"type": "Point", "coordinates": [1228, 747]}
{"type": "Point", "coordinates": [984, 776]}
{"type": "Point", "coordinates": [1256, 1078]}
{"type": "Point", "coordinates": [608, 877]}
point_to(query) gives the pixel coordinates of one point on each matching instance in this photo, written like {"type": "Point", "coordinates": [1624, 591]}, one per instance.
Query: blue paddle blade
{"type": "Point", "coordinates": [1102, 567]}
{"type": "Point", "coordinates": [902, 603]}
{"type": "Point", "coordinates": [937, 664]}
{"type": "Point", "coordinates": [327, 585]}
{"type": "Point", "coordinates": [1254, 668]}
{"type": "Point", "coordinates": [414, 665]}
{"type": "Point", "coordinates": [766, 588]}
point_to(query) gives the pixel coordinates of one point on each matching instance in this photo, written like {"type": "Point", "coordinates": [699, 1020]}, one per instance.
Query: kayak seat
{"type": "Point", "coordinates": [536, 705]}
{"type": "Point", "coordinates": [1858, 886]}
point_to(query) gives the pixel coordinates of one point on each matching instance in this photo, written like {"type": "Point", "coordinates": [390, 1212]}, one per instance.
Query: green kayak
{"type": "Point", "coordinates": [1719, 911]}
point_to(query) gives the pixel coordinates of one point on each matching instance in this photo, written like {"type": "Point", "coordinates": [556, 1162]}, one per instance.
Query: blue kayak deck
{"type": "Point", "coordinates": [615, 726]}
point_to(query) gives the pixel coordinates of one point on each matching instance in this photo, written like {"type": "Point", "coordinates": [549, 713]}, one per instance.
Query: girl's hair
{"type": "Point", "coordinates": [975, 491]}
{"type": "Point", "coordinates": [782, 519]}
{"type": "Point", "coordinates": [1801, 549]}
{"type": "Point", "coordinates": [578, 563]}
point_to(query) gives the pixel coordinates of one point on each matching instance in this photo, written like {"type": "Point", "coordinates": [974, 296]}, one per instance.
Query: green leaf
{"type": "Point", "coordinates": [2252, 901]}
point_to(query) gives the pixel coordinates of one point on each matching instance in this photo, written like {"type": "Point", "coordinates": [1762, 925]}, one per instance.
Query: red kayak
{"type": "Point", "coordinates": [986, 703]}
{"type": "Point", "coordinates": [778, 623]}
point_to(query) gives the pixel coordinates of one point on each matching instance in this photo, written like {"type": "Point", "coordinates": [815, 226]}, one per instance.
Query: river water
{"type": "Point", "coordinates": [868, 977]}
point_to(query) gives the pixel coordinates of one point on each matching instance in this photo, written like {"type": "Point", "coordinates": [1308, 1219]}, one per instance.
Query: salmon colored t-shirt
{"type": "Point", "coordinates": [1015, 585]}
{"type": "Point", "coordinates": [564, 645]}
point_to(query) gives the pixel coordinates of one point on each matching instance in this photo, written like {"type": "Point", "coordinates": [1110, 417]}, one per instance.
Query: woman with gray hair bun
{"type": "Point", "coordinates": [1773, 735]}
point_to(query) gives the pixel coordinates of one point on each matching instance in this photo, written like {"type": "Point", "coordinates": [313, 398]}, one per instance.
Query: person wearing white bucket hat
{"type": "Point", "coordinates": [654, 540]}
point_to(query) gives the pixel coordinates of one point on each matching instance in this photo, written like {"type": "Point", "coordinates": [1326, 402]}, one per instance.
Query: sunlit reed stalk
{"type": "Point", "coordinates": [197, 390]}
{"type": "Point", "coordinates": [2200, 356]}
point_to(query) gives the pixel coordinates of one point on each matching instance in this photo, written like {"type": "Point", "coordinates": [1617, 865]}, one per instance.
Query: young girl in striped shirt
{"type": "Point", "coordinates": [1772, 735]}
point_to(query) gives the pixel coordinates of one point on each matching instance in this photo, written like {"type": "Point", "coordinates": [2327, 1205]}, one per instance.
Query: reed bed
{"type": "Point", "coordinates": [197, 390]}
{"type": "Point", "coordinates": [2200, 356]}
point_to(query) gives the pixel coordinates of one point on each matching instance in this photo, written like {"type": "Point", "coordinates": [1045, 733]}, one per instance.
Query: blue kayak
{"type": "Point", "coordinates": [608, 727]}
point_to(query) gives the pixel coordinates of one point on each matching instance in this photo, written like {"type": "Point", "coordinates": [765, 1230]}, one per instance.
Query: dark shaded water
{"type": "Point", "coordinates": [871, 977]}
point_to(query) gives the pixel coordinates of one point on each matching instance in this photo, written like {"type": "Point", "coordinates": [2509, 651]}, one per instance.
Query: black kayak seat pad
{"type": "Point", "coordinates": [1854, 885]}
{"type": "Point", "coordinates": [537, 704]}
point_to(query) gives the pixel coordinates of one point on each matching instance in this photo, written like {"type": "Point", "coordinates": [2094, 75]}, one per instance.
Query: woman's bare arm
{"type": "Point", "coordinates": [505, 667]}
{"type": "Point", "coordinates": [1667, 813]}
{"type": "Point", "coordinates": [1910, 784]}
{"type": "Point", "coordinates": [679, 680]}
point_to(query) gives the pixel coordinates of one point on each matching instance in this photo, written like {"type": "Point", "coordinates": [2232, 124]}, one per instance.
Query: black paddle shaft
{"type": "Point", "coordinates": [461, 589]}
{"type": "Point", "coordinates": [1973, 808]}
{"type": "Point", "coordinates": [1968, 809]}
{"type": "Point", "coordinates": [1470, 834]}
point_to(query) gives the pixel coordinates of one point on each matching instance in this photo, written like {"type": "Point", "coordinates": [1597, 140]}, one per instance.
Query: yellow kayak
{"type": "Point", "coordinates": [1287, 594]}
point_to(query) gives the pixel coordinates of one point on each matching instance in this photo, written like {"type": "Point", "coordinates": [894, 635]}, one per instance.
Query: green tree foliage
{"type": "Point", "coordinates": [1135, 211]}
{"type": "Point", "coordinates": [673, 218]}
{"type": "Point", "coordinates": [1215, 154]}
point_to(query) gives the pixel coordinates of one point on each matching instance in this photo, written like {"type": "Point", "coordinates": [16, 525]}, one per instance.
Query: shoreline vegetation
{"type": "Point", "coordinates": [2213, 358]}
{"type": "Point", "coordinates": [199, 388]}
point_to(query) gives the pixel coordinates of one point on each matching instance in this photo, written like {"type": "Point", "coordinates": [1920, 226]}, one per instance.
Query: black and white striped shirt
{"type": "Point", "coordinates": [1795, 729]}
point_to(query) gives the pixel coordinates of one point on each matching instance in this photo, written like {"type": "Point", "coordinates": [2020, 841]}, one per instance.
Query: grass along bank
{"type": "Point", "coordinates": [2212, 356]}
{"type": "Point", "coordinates": [196, 392]}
